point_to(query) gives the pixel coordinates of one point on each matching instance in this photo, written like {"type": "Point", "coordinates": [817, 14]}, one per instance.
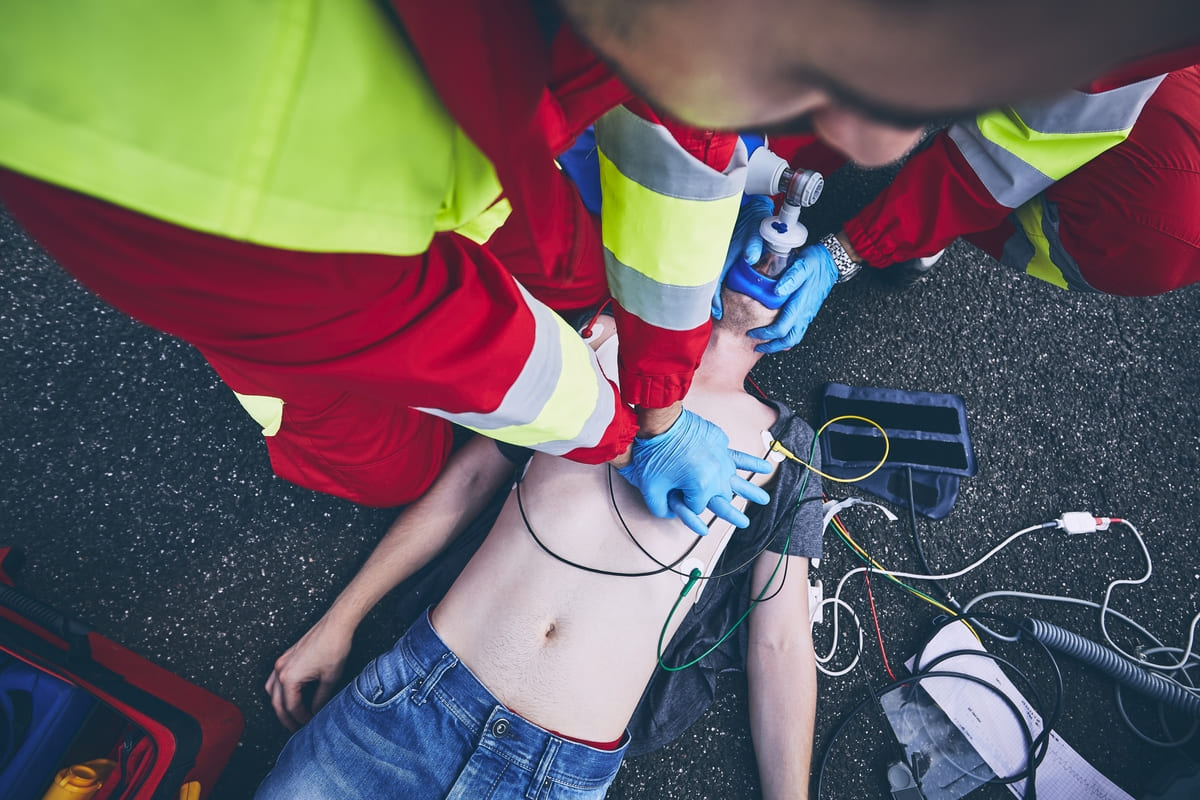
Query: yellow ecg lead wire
{"type": "Point", "coordinates": [887, 446]}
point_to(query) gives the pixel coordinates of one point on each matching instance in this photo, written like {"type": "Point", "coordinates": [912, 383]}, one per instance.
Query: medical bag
{"type": "Point", "coordinates": [84, 718]}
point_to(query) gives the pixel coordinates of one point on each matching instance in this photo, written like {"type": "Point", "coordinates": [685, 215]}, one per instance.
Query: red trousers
{"type": "Point", "coordinates": [1130, 217]}
{"type": "Point", "coordinates": [1127, 218]}
{"type": "Point", "coordinates": [350, 342]}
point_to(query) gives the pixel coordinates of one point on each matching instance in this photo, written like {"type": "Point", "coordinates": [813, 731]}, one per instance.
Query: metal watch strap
{"type": "Point", "coordinates": [846, 266]}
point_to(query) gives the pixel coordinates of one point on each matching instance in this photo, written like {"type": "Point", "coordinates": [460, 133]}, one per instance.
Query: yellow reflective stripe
{"type": "Point", "coordinates": [1040, 265]}
{"type": "Point", "coordinates": [569, 407]}
{"type": "Point", "coordinates": [480, 229]}
{"type": "Point", "coordinates": [667, 239]}
{"type": "Point", "coordinates": [265, 410]}
{"type": "Point", "coordinates": [1055, 155]}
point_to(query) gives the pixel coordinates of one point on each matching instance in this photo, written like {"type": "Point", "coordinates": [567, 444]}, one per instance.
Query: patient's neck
{"type": "Point", "coordinates": [727, 360]}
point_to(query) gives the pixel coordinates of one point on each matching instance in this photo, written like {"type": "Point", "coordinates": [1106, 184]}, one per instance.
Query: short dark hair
{"type": "Point", "coordinates": [741, 313]}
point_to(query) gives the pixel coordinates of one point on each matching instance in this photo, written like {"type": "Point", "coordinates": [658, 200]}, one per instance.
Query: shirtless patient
{"type": "Point", "coordinates": [511, 685]}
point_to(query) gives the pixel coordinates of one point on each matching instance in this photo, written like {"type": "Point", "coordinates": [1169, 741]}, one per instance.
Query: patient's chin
{"type": "Point", "coordinates": [742, 313]}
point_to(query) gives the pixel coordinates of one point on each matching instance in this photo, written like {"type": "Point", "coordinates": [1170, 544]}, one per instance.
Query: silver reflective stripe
{"type": "Point", "coordinates": [1018, 250]}
{"type": "Point", "coordinates": [1094, 119]}
{"type": "Point", "coordinates": [530, 393]}
{"type": "Point", "coordinates": [673, 308]}
{"type": "Point", "coordinates": [1008, 179]}
{"type": "Point", "coordinates": [1021, 252]}
{"type": "Point", "coordinates": [1080, 112]}
{"type": "Point", "coordinates": [648, 154]}
{"type": "Point", "coordinates": [1058, 254]}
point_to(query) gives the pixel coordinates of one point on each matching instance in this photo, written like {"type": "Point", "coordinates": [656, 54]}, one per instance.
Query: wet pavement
{"type": "Point", "coordinates": [144, 500]}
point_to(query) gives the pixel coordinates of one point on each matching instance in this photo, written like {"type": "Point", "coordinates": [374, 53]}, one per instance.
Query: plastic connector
{"type": "Point", "coordinates": [1074, 522]}
{"type": "Point", "coordinates": [816, 596]}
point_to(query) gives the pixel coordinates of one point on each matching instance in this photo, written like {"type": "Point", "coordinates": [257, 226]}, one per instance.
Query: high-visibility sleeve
{"type": "Point", "coordinates": [560, 402]}
{"type": "Point", "coordinates": [666, 223]}
{"type": "Point", "coordinates": [978, 171]}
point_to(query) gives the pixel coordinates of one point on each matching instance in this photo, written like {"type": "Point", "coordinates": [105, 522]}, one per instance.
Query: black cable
{"type": "Point", "coordinates": [791, 524]}
{"type": "Point", "coordinates": [1048, 722]}
{"type": "Point", "coordinates": [1041, 743]}
{"type": "Point", "coordinates": [782, 580]}
{"type": "Point", "coordinates": [1036, 747]}
{"type": "Point", "coordinates": [740, 567]}
{"type": "Point", "coordinates": [1172, 741]}
{"type": "Point", "coordinates": [1147, 738]}
{"type": "Point", "coordinates": [920, 548]}
{"type": "Point", "coordinates": [866, 679]}
{"type": "Point", "coordinates": [1030, 792]}
{"type": "Point", "coordinates": [1019, 624]}
{"type": "Point", "coordinates": [585, 567]}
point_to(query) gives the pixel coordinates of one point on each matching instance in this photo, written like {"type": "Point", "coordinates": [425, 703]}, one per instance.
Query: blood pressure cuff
{"type": "Point", "coordinates": [674, 701]}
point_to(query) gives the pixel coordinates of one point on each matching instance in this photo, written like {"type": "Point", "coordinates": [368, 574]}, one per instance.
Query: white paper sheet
{"type": "Point", "coordinates": [992, 728]}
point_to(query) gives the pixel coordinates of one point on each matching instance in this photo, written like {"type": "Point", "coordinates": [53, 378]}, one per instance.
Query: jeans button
{"type": "Point", "coordinates": [500, 728]}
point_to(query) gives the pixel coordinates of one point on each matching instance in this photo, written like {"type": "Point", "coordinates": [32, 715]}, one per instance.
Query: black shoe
{"type": "Point", "coordinates": [907, 273]}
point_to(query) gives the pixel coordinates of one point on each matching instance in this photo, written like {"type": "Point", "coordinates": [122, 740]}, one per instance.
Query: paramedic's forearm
{"type": "Point", "coordinates": [423, 529]}
{"type": "Point", "coordinates": [782, 679]}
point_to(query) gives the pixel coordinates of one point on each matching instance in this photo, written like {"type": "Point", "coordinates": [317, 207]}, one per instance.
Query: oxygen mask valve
{"type": "Point", "coordinates": [768, 174]}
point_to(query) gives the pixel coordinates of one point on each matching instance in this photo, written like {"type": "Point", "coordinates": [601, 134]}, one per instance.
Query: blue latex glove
{"type": "Point", "coordinates": [690, 467]}
{"type": "Point", "coordinates": [746, 243]}
{"type": "Point", "coordinates": [808, 281]}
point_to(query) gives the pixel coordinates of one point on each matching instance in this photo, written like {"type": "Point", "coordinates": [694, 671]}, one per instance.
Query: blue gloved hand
{"type": "Point", "coordinates": [746, 243]}
{"type": "Point", "coordinates": [808, 281]}
{"type": "Point", "coordinates": [690, 467]}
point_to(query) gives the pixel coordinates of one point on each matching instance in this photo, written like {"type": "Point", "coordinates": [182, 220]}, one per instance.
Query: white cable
{"type": "Point", "coordinates": [914, 576]}
{"type": "Point", "coordinates": [822, 660]}
{"type": "Point", "coordinates": [1105, 611]}
{"type": "Point", "coordinates": [980, 562]}
{"type": "Point", "coordinates": [1104, 607]}
{"type": "Point", "coordinates": [831, 508]}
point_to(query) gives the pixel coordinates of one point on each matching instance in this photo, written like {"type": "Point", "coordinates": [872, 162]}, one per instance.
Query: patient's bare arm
{"type": "Point", "coordinates": [419, 533]}
{"type": "Point", "coordinates": [782, 678]}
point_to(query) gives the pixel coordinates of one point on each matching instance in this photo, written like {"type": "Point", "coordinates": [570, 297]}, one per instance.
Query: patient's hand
{"type": "Point", "coordinates": [316, 660]}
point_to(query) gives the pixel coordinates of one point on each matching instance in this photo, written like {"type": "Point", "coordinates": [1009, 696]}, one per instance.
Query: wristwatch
{"type": "Point", "coordinates": [847, 268]}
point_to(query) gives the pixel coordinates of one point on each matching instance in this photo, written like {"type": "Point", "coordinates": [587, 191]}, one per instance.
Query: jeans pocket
{"type": "Point", "coordinates": [384, 680]}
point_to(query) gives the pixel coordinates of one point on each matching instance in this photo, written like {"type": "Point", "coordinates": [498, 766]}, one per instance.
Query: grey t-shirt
{"type": "Point", "coordinates": [673, 701]}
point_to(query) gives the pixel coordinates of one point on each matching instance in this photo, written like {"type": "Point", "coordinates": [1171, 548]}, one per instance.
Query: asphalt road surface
{"type": "Point", "coordinates": [143, 498]}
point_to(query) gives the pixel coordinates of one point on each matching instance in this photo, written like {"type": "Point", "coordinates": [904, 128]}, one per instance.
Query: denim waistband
{"type": "Point", "coordinates": [502, 731]}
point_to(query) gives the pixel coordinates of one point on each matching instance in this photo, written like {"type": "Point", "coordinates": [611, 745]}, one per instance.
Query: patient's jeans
{"type": "Point", "coordinates": [417, 724]}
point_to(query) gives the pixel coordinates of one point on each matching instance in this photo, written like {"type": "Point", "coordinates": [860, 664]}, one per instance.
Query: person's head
{"type": "Point", "coordinates": [867, 75]}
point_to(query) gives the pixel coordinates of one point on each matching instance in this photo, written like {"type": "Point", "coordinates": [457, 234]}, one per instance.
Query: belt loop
{"type": "Point", "coordinates": [421, 691]}
{"type": "Point", "coordinates": [540, 785]}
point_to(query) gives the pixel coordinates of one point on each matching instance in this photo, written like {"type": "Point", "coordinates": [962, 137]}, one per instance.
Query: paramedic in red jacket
{"type": "Point", "coordinates": [235, 175]}
{"type": "Point", "coordinates": [1092, 190]}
